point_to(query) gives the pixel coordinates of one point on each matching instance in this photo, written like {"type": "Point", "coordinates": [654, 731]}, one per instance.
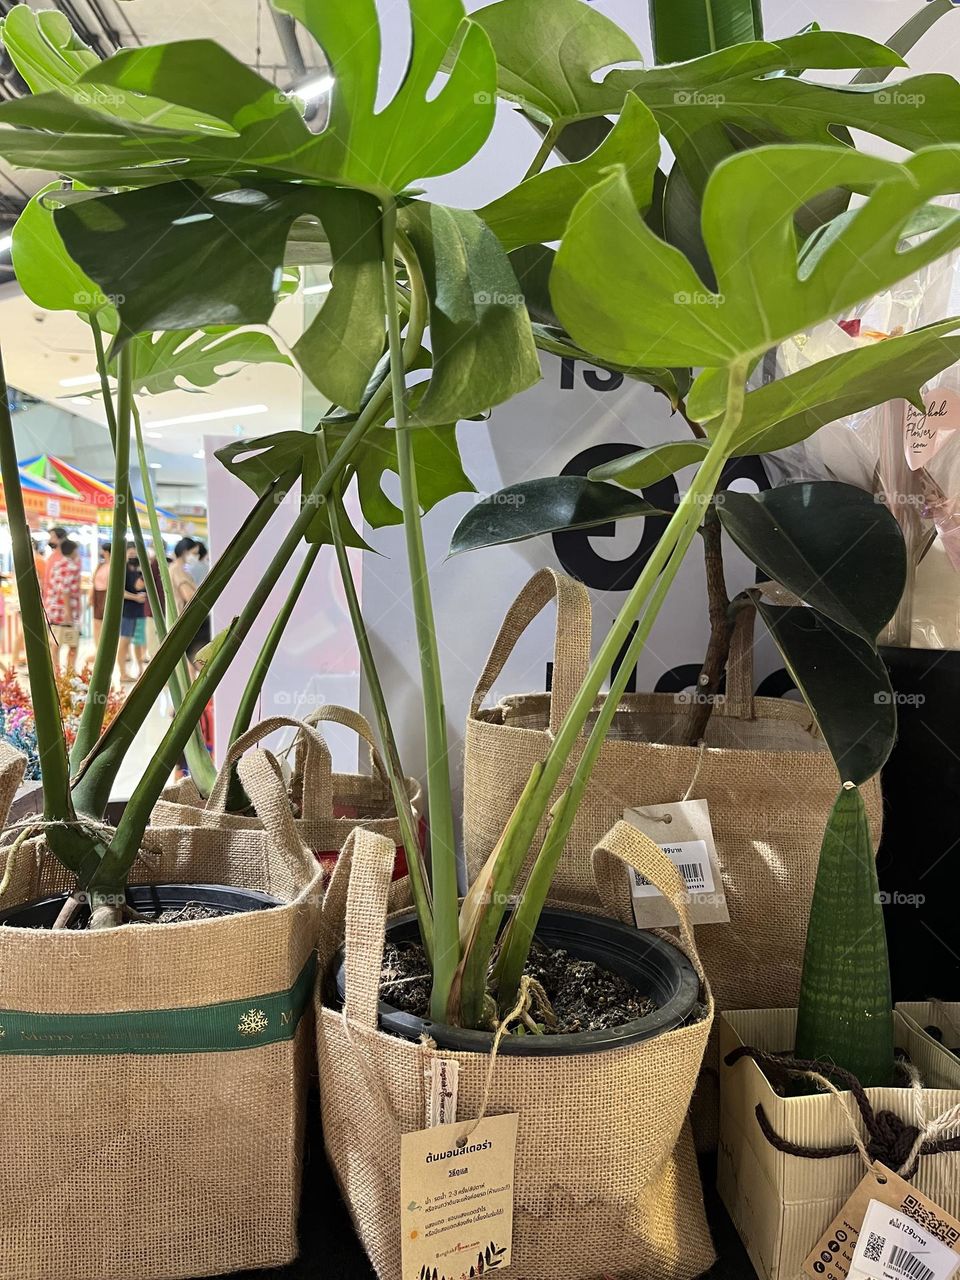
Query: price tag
{"type": "Point", "coordinates": [685, 834]}
{"type": "Point", "coordinates": [926, 430]}
{"type": "Point", "coordinates": [893, 1246]}
{"type": "Point", "coordinates": [456, 1203]}
{"type": "Point", "coordinates": [862, 1238]}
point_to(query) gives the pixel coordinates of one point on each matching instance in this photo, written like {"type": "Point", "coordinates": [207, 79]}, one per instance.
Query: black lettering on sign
{"type": "Point", "coordinates": [596, 379]}
{"type": "Point", "coordinates": [573, 548]}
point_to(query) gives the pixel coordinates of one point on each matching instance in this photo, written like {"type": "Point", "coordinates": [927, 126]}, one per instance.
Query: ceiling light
{"type": "Point", "coordinates": [80, 399]}
{"type": "Point", "coordinates": [83, 381]}
{"type": "Point", "coordinates": [312, 89]}
{"type": "Point", "coordinates": [154, 435]}
{"type": "Point", "coordinates": [244, 411]}
{"type": "Point", "coordinates": [319, 288]}
{"type": "Point", "coordinates": [154, 466]}
{"type": "Point", "coordinates": [201, 453]}
{"type": "Point", "coordinates": [7, 240]}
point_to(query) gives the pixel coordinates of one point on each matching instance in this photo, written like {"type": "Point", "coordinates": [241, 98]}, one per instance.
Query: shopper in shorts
{"type": "Point", "coordinates": [133, 624]}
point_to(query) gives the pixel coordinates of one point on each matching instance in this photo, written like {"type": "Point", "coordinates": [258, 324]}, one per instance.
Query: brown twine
{"type": "Point", "coordinates": [527, 985]}
{"type": "Point", "coordinates": [661, 817]}
{"type": "Point", "coordinates": [891, 1140]}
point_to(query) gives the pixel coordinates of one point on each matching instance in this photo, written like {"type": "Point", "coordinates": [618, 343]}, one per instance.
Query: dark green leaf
{"type": "Point", "coordinates": [905, 37]}
{"type": "Point", "coordinates": [551, 505]}
{"type": "Point", "coordinates": [532, 265]}
{"type": "Point", "coordinates": [483, 348]}
{"type": "Point", "coordinates": [846, 1008]}
{"type": "Point", "coordinates": [672, 382]}
{"type": "Point", "coordinates": [539, 208]}
{"type": "Point", "coordinates": [831, 544]}
{"type": "Point", "coordinates": [790, 409]}
{"type": "Point", "coordinates": [609, 257]}
{"type": "Point", "coordinates": [843, 682]}
{"type": "Point", "coordinates": [645, 467]}
{"type": "Point", "coordinates": [685, 29]}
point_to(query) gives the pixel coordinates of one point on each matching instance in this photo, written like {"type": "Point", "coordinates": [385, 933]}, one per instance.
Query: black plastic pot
{"type": "Point", "coordinates": [919, 859]}
{"type": "Point", "coordinates": [655, 968]}
{"type": "Point", "coordinates": [147, 899]}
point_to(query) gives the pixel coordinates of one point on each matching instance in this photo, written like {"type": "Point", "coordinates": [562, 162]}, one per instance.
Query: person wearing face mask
{"type": "Point", "coordinates": [133, 624]}
{"type": "Point", "coordinates": [184, 589]}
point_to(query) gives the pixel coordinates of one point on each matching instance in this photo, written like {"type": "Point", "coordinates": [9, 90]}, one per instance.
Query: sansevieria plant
{"type": "Point", "coordinates": [194, 183]}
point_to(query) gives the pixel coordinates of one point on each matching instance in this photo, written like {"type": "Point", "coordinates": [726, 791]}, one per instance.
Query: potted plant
{"type": "Point", "coordinates": [224, 167]}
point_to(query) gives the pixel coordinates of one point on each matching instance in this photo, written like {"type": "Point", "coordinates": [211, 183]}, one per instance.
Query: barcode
{"type": "Point", "coordinates": [874, 1250]}
{"type": "Point", "coordinates": [692, 873]}
{"type": "Point", "coordinates": [908, 1264]}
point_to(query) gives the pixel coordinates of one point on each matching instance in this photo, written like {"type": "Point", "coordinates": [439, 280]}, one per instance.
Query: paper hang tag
{"type": "Point", "coordinates": [684, 832]}
{"type": "Point", "coordinates": [861, 1240]}
{"type": "Point", "coordinates": [442, 1079]}
{"type": "Point", "coordinates": [456, 1204]}
{"type": "Point", "coordinates": [926, 431]}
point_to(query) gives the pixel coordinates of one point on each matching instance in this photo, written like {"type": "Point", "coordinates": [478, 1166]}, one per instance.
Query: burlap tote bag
{"type": "Point", "coordinates": [606, 1179]}
{"type": "Point", "coordinates": [154, 1076]}
{"type": "Point", "coordinates": [328, 805]}
{"type": "Point", "coordinates": [764, 770]}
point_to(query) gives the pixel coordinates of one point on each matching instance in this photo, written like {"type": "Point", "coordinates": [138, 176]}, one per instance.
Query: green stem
{"type": "Point", "coordinates": [126, 842]}
{"type": "Point", "coordinates": [543, 154]}
{"type": "Point", "coordinates": [98, 773]}
{"type": "Point", "coordinates": [105, 660]}
{"type": "Point", "coordinates": [443, 852]}
{"type": "Point", "coordinates": [665, 561]}
{"type": "Point", "coordinates": [201, 767]}
{"type": "Point", "coordinates": [268, 651]}
{"type": "Point", "coordinates": [416, 864]}
{"type": "Point", "coordinates": [51, 745]}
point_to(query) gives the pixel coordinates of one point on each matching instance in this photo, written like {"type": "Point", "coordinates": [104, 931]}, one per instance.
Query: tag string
{"type": "Point", "coordinates": [666, 817]}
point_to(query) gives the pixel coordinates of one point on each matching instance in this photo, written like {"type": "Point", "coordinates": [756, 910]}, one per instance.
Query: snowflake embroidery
{"type": "Point", "coordinates": [253, 1023]}
{"type": "Point", "coordinates": [3, 1030]}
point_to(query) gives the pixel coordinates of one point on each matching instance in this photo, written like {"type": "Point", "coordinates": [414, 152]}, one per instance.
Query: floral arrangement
{"type": "Point", "coordinates": [17, 725]}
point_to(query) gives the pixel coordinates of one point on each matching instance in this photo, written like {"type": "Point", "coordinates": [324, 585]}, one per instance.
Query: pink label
{"type": "Point", "coordinates": [924, 432]}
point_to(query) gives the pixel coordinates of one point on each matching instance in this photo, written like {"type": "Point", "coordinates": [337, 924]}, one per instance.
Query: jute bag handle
{"type": "Point", "coordinates": [624, 846]}
{"type": "Point", "coordinates": [263, 782]}
{"type": "Point", "coordinates": [217, 802]}
{"type": "Point", "coordinates": [13, 765]}
{"type": "Point", "coordinates": [312, 782]}
{"type": "Point", "coordinates": [358, 898]}
{"type": "Point", "coordinates": [571, 654]}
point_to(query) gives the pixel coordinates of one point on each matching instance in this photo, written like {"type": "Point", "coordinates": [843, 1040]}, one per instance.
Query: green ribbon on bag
{"type": "Point", "coordinates": [209, 1028]}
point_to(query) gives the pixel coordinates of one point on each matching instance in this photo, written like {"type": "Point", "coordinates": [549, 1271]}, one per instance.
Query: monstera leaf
{"type": "Point", "coordinates": [538, 208]}
{"type": "Point", "coordinates": [832, 545]}
{"type": "Point", "coordinates": [609, 258]}
{"type": "Point", "coordinates": [44, 47]}
{"type": "Point", "coordinates": [223, 118]}
{"type": "Point", "coordinates": [647, 466]}
{"type": "Point", "coordinates": [258, 463]}
{"type": "Point", "coordinates": [184, 256]}
{"type": "Point", "coordinates": [192, 359]}
{"type": "Point", "coordinates": [790, 409]}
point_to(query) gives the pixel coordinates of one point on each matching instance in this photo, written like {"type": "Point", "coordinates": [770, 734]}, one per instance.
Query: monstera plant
{"type": "Point", "coordinates": [193, 184]}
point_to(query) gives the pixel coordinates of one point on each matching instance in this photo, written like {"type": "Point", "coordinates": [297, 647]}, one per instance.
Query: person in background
{"type": "Point", "coordinates": [200, 567]}
{"type": "Point", "coordinates": [98, 590]}
{"type": "Point", "coordinates": [61, 600]}
{"type": "Point", "coordinates": [184, 589]}
{"type": "Point", "coordinates": [55, 536]}
{"type": "Point", "coordinates": [133, 624]}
